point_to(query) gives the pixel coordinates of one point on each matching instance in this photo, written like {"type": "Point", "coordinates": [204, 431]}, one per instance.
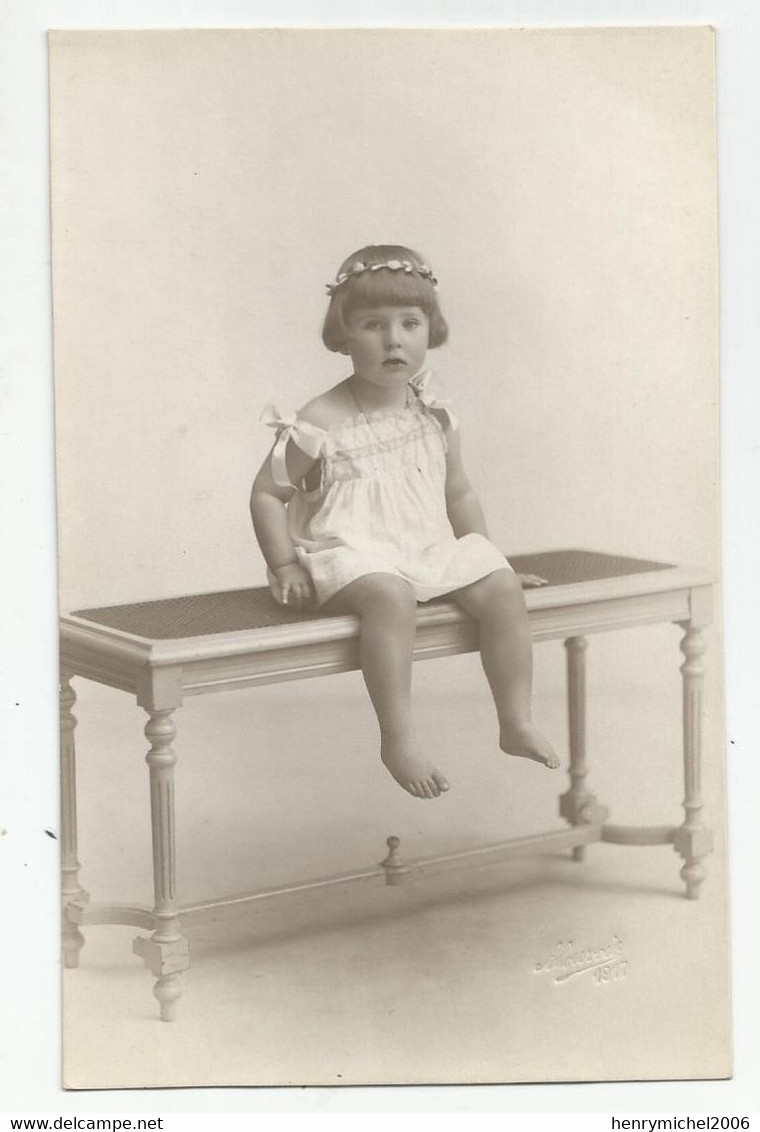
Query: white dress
{"type": "Point", "coordinates": [380, 505]}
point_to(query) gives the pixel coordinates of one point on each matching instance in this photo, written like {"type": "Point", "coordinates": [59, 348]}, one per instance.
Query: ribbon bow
{"type": "Point", "coordinates": [420, 386]}
{"type": "Point", "coordinates": [273, 418]}
{"type": "Point", "coordinates": [308, 437]}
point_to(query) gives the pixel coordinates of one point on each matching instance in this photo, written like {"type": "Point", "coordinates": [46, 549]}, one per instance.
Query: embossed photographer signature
{"type": "Point", "coordinates": [605, 964]}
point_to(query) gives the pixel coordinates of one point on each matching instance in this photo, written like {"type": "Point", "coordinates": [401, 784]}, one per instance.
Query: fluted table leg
{"type": "Point", "coordinates": [693, 841]}
{"type": "Point", "coordinates": [577, 805]}
{"type": "Point", "coordinates": [71, 890]}
{"type": "Point", "coordinates": [166, 951]}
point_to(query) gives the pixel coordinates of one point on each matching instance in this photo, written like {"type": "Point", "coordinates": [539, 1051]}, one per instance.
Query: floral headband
{"type": "Point", "coordinates": [404, 265]}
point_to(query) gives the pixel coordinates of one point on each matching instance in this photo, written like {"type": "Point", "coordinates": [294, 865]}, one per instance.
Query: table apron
{"type": "Point", "coordinates": [135, 668]}
{"type": "Point", "coordinates": [328, 657]}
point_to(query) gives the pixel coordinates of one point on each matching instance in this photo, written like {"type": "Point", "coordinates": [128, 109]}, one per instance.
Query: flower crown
{"type": "Point", "coordinates": [404, 265]}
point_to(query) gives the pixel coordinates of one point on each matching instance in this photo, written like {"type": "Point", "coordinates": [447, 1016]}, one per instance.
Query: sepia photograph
{"type": "Point", "coordinates": [387, 457]}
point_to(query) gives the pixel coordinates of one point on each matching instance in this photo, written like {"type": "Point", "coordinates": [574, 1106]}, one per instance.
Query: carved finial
{"type": "Point", "coordinates": [395, 869]}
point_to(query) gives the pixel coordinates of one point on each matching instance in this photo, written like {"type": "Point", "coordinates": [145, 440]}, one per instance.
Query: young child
{"type": "Point", "coordinates": [363, 506]}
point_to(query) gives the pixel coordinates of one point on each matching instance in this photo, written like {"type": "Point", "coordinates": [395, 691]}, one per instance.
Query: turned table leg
{"type": "Point", "coordinates": [693, 840]}
{"type": "Point", "coordinates": [577, 805]}
{"type": "Point", "coordinates": [165, 952]}
{"type": "Point", "coordinates": [71, 890]}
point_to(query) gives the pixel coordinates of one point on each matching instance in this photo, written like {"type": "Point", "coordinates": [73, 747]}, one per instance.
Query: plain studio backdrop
{"type": "Point", "coordinates": [206, 185]}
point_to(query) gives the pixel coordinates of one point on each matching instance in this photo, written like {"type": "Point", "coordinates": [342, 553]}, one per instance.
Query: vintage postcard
{"type": "Point", "coordinates": [437, 310]}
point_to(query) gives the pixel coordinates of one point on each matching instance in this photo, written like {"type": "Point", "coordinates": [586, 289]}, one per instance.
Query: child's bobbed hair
{"type": "Point", "coordinates": [381, 275]}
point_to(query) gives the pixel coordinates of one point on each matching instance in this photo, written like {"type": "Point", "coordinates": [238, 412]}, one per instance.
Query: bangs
{"type": "Point", "coordinates": [388, 288]}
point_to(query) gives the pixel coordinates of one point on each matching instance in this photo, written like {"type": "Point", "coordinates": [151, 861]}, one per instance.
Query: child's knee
{"type": "Point", "coordinates": [507, 582]}
{"type": "Point", "coordinates": [388, 596]}
{"type": "Point", "coordinates": [501, 588]}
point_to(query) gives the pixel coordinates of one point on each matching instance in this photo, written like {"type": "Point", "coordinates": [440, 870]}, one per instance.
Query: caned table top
{"type": "Point", "coordinates": [201, 643]}
{"type": "Point", "coordinates": [231, 611]}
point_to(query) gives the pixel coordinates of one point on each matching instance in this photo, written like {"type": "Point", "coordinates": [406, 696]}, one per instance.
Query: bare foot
{"type": "Point", "coordinates": [403, 759]}
{"type": "Point", "coordinates": [526, 742]}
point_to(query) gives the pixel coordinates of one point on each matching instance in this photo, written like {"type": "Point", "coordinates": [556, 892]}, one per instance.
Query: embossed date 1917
{"type": "Point", "coordinates": [611, 972]}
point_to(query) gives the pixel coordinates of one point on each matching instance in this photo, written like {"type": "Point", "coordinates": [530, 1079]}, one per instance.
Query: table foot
{"type": "Point", "coordinates": [167, 959]}
{"type": "Point", "coordinates": [693, 876]}
{"type": "Point", "coordinates": [167, 990]}
{"type": "Point", "coordinates": [72, 944]}
{"type": "Point", "coordinates": [693, 845]}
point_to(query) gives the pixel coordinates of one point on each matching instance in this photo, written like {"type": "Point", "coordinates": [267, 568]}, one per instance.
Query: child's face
{"type": "Point", "coordinates": [387, 344]}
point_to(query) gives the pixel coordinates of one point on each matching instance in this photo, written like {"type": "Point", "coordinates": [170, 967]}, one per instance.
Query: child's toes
{"type": "Point", "coordinates": [550, 758]}
{"type": "Point", "coordinates": [440, 781]}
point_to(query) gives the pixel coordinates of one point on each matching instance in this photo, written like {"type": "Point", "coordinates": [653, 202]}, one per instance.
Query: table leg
{"type": "Point", "coordinates": [693, 840]}
{"type": "Point", "coordinates": [577, 805]}
{"type": "Point", "coordinates": [71, 890]}
{"type": "Point", "coordinates": [166, 951]}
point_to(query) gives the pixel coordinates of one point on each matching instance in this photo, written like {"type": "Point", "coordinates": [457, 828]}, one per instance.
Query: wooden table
{"type": "Point", "coordinates": [162, 651]}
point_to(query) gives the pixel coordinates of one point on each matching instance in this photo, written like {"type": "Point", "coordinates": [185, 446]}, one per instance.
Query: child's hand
{"type": "Point", "coordinates": [294, 586]}
{"type": "Point", "coordinates": [531, 580]}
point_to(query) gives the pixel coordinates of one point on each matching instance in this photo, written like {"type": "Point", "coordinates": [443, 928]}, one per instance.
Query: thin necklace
{"type": "Point", "coordinates": [370, 425]}
{"type": "Point", "coordinates": [363, 412]}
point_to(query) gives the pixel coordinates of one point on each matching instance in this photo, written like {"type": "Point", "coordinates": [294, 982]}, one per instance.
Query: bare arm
{"type": "Point", "coordinates": [462, 504]}
{"type": "Point", "coordinates": [270, 522]}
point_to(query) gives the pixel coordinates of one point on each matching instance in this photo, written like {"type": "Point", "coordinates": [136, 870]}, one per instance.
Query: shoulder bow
{"type": "Point", "coordinates": [426, 395]}
{"type": "Point", "coordinates": [308, 437]}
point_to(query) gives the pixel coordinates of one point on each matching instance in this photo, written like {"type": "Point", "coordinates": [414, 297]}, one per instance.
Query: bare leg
{"type": "Point", "coordinates": [497, 604]}
{"type": "Point", "coordinates": [387, 608]}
